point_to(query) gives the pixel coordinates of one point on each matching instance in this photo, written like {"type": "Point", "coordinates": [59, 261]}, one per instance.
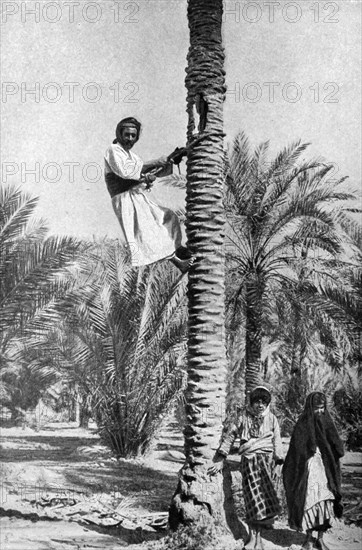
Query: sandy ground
{"type": "Point", "coordinates": [61, 489]}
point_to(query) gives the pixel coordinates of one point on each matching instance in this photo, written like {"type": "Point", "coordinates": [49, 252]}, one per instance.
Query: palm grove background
{"type": "Point", "coordinates": [84, 336]}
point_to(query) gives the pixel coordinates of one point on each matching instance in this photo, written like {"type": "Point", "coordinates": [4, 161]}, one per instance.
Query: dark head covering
{"type": "Point", "coordinates": [312, 431]}
{"type": "Point", "coordinates": [260, 392]}
{"type": "Point", "coordinates": [317, 399]}
{"type": "Point", "coordinates": [124, 123]}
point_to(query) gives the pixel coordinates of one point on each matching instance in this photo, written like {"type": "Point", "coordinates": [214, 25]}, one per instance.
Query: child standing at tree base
{"type": "Point", "coordinates": [260, 450]}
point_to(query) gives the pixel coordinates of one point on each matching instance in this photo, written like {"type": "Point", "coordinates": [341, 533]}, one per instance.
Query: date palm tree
{"type": "Point", "coordinates": [287, 240]}
{"type": "Point", "coordinates": [34, 269]}
{"type": "Point", "coordinates": [120, 336]}
{"type": "Point", "coordinates": [205, 393]}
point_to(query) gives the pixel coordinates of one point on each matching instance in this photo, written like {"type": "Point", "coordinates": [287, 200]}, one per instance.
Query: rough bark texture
{"type": "Point", "coordinates": [197, 495]}
{"type": "Point", "coordinates": [253, 322]}
{"type": "Point", "coordinates": [295, 389]}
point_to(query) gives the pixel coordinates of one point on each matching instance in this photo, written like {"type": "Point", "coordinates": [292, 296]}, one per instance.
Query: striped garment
{"type": "Point", "coordinates": [258, 455]}
{"type": "Point", "coordinates": [320, 517]}
{"type": "Point", "coordinates": [261, 501]}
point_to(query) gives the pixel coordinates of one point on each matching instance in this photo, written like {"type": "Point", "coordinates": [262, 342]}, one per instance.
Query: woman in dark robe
{"type": "Point", "coordinates": [311, 472]}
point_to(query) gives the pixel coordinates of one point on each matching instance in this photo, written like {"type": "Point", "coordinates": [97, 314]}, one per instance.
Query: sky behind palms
{"type": "Point", "coordinates": [293, 71]}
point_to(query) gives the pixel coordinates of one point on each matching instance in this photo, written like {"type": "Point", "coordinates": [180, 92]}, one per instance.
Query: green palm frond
{"type": "Point", "coordinates": [286, 159]}
{"type": "Point", "coordinates": [33, 275]}
{"type": "Point", "coordinates": [350, 225]}
{"type": "Point", "coordinates": [175, 180]}
{"type": "Point", "coordinates": [16, 209]}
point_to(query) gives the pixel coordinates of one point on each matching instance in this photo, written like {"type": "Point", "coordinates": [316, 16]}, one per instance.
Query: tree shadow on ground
{"type": "Point", "coordinates": [283, 537]}
{"type": "Point", "coordinates": [151, 489]}
{"type": "Point", "coordinates": [47, 448]}
{"type": "Point", "coordinates": [129, 536]}
{"type": "Point", "coordinates": [167, 446]}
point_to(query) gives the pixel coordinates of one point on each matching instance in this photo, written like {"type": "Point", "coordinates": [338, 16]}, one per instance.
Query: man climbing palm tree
{"type": "Point", "coordinates": [150, 232]}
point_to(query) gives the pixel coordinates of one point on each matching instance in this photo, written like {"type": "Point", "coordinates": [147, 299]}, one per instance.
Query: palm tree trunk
{"type": "Point", "coordinates": [253, 335]}
{"type": "Point", "coordinates": [205, 394]}
{"type": "Point", "coordinates": [295, 389]}
{"type": "Point", "coordinates": [84, 414]}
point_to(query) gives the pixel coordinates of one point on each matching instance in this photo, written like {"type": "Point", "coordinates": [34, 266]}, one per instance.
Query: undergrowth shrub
{"type": "Point", "coordinates": [130, 326]}
{"type": "Point", "coordinates": [203, 535]}
{"type": "Point", "coordinates": [348, 404]}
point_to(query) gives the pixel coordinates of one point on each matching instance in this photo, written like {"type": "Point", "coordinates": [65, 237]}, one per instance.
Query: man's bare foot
{"type": "Point", "coordinates": [321, 544]}
{"type": "Point", "coordinates": [183, 265]}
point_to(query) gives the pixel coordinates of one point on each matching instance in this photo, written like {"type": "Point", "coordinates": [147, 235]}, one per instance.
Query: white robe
{"type": "Point", "coordinates": [318, 506]}
{"type": "Point", "coordinates": [149, 231]}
